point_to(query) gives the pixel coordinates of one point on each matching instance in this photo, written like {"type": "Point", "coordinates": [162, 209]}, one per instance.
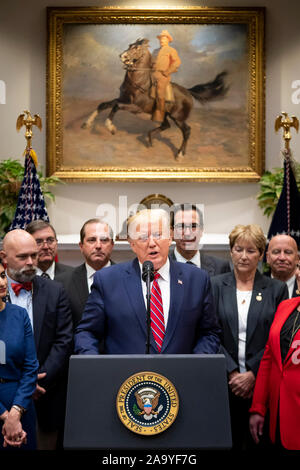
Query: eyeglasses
{"type": "Point", "coordinates": [49, 241]}
{"type": "Point", "coordinates": [182, 227]}
{"type": "Point", "coordinates": [144, 237]}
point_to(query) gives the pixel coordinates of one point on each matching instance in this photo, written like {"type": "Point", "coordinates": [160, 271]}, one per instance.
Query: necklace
{"type": "Point", "coordinates": [295, 329]}
{"type": "Point", "coordinates": [244, 296]}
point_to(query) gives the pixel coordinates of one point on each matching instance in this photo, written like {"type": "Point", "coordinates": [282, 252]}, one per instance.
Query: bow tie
{"type": "Point", "coordinates": [18, 287]}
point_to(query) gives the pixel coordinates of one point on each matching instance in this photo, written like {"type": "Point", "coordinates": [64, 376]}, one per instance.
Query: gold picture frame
{"type": "Point", "coordinates": [84, 69]}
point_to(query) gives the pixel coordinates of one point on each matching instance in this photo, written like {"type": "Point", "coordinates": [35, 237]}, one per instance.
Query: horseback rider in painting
{"type": "Point", "coordinates": [136, 91]}
{"type": "Point", "coordinates": [165, 62]}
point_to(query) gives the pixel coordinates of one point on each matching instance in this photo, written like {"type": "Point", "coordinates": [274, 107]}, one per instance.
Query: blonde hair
{"type": "Point", "coordinates": [252, 233]}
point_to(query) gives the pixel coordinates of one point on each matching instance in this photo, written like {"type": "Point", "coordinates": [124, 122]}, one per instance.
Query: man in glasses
{"type": "Point", "coordinates": [187, 224]}
{"type": "Point", "coordinates": [45, 237]}
{"type": "Point", "coordinates": [183, 319]}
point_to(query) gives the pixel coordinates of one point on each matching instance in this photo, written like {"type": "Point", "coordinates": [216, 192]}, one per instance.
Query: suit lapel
{"type": "Point", "coordinates": [207, 264]}
{"type": "Point", "coordinates": [230, 306]}
{"type": "Point", "coordinates": [176, 297]}
{"type": "Point", "coordinates": [133, 287]}
{"type": "Point", "coordinates": [57, 269]}
{"type": "Point", "coordinates": [294, 304]}
{"type": "Point", "coordinates": [278, 323]}
{"type": "Point", "coordinates": [256, 305]}
{"type": "Point", "coordinates": [295, 290]}
{"type": "Point", "coordinates": [80, 286]}
{"type": "Point", "coordinates": [39, 300]}
{"type": "Point", "coordinates": [295, 348]}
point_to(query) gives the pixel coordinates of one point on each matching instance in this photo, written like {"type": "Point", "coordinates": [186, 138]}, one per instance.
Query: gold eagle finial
{"type": "Point", "coordinates": [286, 123]}
{"type": "Point", "coordinates": [28, 121]}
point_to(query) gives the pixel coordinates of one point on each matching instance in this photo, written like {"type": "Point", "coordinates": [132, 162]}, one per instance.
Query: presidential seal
{"type": "Point", "coordinates": [147, 403]}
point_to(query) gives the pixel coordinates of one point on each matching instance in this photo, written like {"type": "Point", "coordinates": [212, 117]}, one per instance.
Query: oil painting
{"type": "Point", "coordinates": [108, 119]}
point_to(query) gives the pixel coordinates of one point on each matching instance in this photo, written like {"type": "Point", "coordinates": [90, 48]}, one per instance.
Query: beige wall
{"type": "Point", "coordinates": [23, 68]}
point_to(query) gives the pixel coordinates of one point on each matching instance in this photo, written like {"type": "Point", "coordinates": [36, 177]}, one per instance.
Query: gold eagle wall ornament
{"type": "Point", "coordinates": [286, 123]}
{"type": "Point", "coordinates": [28, 121]}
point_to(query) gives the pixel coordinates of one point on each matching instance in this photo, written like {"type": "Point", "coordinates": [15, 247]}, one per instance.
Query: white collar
{"type": "Point", "coordinates": [290, 285]}
{"type": "Point", "coordinates": [195, 260]}
{"type": "Point", "coordinates": [50, 271]}
{"type": "Point", "coordinates": [91, 271]}
{"type": "Point", "coordinates": [164, 271]}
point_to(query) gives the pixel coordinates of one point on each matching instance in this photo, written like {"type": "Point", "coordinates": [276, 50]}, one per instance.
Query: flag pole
{"type": "Point", "coordinates": [31, 204]}
{"type": "Point", "coordinates": [283, 121]}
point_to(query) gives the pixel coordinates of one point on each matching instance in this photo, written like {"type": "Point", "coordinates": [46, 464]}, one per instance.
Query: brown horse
{"type": "Point", "coordinates": [135, 95]}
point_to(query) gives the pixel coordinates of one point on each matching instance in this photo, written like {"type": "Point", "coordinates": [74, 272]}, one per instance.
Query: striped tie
{"type": "Point", "coordinates": [45, 276]}
{"type": "Point", "coordinates": [157, 313]}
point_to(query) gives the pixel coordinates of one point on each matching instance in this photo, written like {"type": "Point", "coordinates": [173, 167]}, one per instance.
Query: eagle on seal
{"type": "Point", "coordinates": [147, 404]}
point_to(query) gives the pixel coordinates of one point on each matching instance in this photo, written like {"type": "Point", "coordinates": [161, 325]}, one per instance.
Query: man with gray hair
{"type": "Point", "coordinates": [183, 319]}
{"type": "Point", "coordinates": [46, 239]}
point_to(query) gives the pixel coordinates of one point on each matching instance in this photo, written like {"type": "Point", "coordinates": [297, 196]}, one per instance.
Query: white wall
{"type": "Point", "coordinates": [23, 49]}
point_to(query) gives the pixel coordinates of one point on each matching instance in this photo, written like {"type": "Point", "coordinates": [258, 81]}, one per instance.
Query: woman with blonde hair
{"type": "Point", "coordinates": [245, 304]}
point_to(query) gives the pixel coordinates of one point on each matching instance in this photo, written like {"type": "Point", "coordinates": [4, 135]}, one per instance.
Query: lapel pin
{"type": "Point", "coordinates": [179, 281]}
{"type": "Point", "coordinates": [259, 297]}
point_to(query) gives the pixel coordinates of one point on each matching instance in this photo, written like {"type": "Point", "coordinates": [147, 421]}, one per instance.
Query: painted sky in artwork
{"type": "Point", "coordinates": [93, 69]}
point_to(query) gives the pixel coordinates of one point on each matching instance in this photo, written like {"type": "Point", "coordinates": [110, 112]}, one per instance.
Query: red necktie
{"type": "Point", "coordinates": [18, 287]}
{"type": "Point", "coordinates": [157, 313]}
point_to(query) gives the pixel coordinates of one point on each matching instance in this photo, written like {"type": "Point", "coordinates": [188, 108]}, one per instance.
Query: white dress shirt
{"type": "Point", "coordinates": [195, 260]}
{"type": "Point", "coordinates": [90, 273]}
{"type": "Point", "coordinates": [164, 284]}
{"type": "Point", "coordinates": [24, 299]}
{"type": "Point", "coordinates": [290, 285]}
{"type": "Point", "coordinates": [243, 303]}
{"type": "Point", "coordinates": [50, 271]}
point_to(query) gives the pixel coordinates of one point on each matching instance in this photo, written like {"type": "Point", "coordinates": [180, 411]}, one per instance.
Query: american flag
{"type": "Point", "coordinates": [286, 218]}
{"type": "Point", "coordinates": [31, 204]}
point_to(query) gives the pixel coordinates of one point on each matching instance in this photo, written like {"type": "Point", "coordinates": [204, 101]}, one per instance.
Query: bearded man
{"type": "Point", "coordinates": [50, 315]}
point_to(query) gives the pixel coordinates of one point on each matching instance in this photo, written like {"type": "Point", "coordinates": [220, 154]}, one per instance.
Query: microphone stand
{"type": "Point", "coordinates": [148, 297]}
{"type": "Point", "coordinates": [148, 276]}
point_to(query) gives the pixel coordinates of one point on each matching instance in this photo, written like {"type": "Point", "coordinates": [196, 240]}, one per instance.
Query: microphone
{"type": "Point", "coordinates": [148, 276]}
{"type": "Point", "coordinates": [148, 270]}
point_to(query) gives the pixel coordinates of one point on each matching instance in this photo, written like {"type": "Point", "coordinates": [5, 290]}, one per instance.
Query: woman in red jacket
{"type": "Point", "coordinates": [277, 385]}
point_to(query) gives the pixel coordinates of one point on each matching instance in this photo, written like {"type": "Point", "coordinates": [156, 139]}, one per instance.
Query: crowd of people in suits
{"type": "Point", "coordinates": [49, 310]}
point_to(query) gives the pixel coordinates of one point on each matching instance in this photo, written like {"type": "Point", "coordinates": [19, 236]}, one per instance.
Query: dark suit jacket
{"type": "Point", "coordinates": [76, 286]}
{"type": "Point", "coordinates": [53, 334]}
{"type": "Point", "coordinates": [295, 288]}
{"type": "Point", "coordinates": [211, 264]}
{"type": "Point", "coordinates": [61, 269]}
{"type": "Point", "coordinates": [116, 311]}
{"type": "Point", "coordinates": [295, 294]}
{"type": "Point", "coordinates": [260, 316]}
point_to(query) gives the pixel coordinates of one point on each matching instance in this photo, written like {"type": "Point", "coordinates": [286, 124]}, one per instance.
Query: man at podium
{"type": "Point", "coordinates": [181, 309]}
